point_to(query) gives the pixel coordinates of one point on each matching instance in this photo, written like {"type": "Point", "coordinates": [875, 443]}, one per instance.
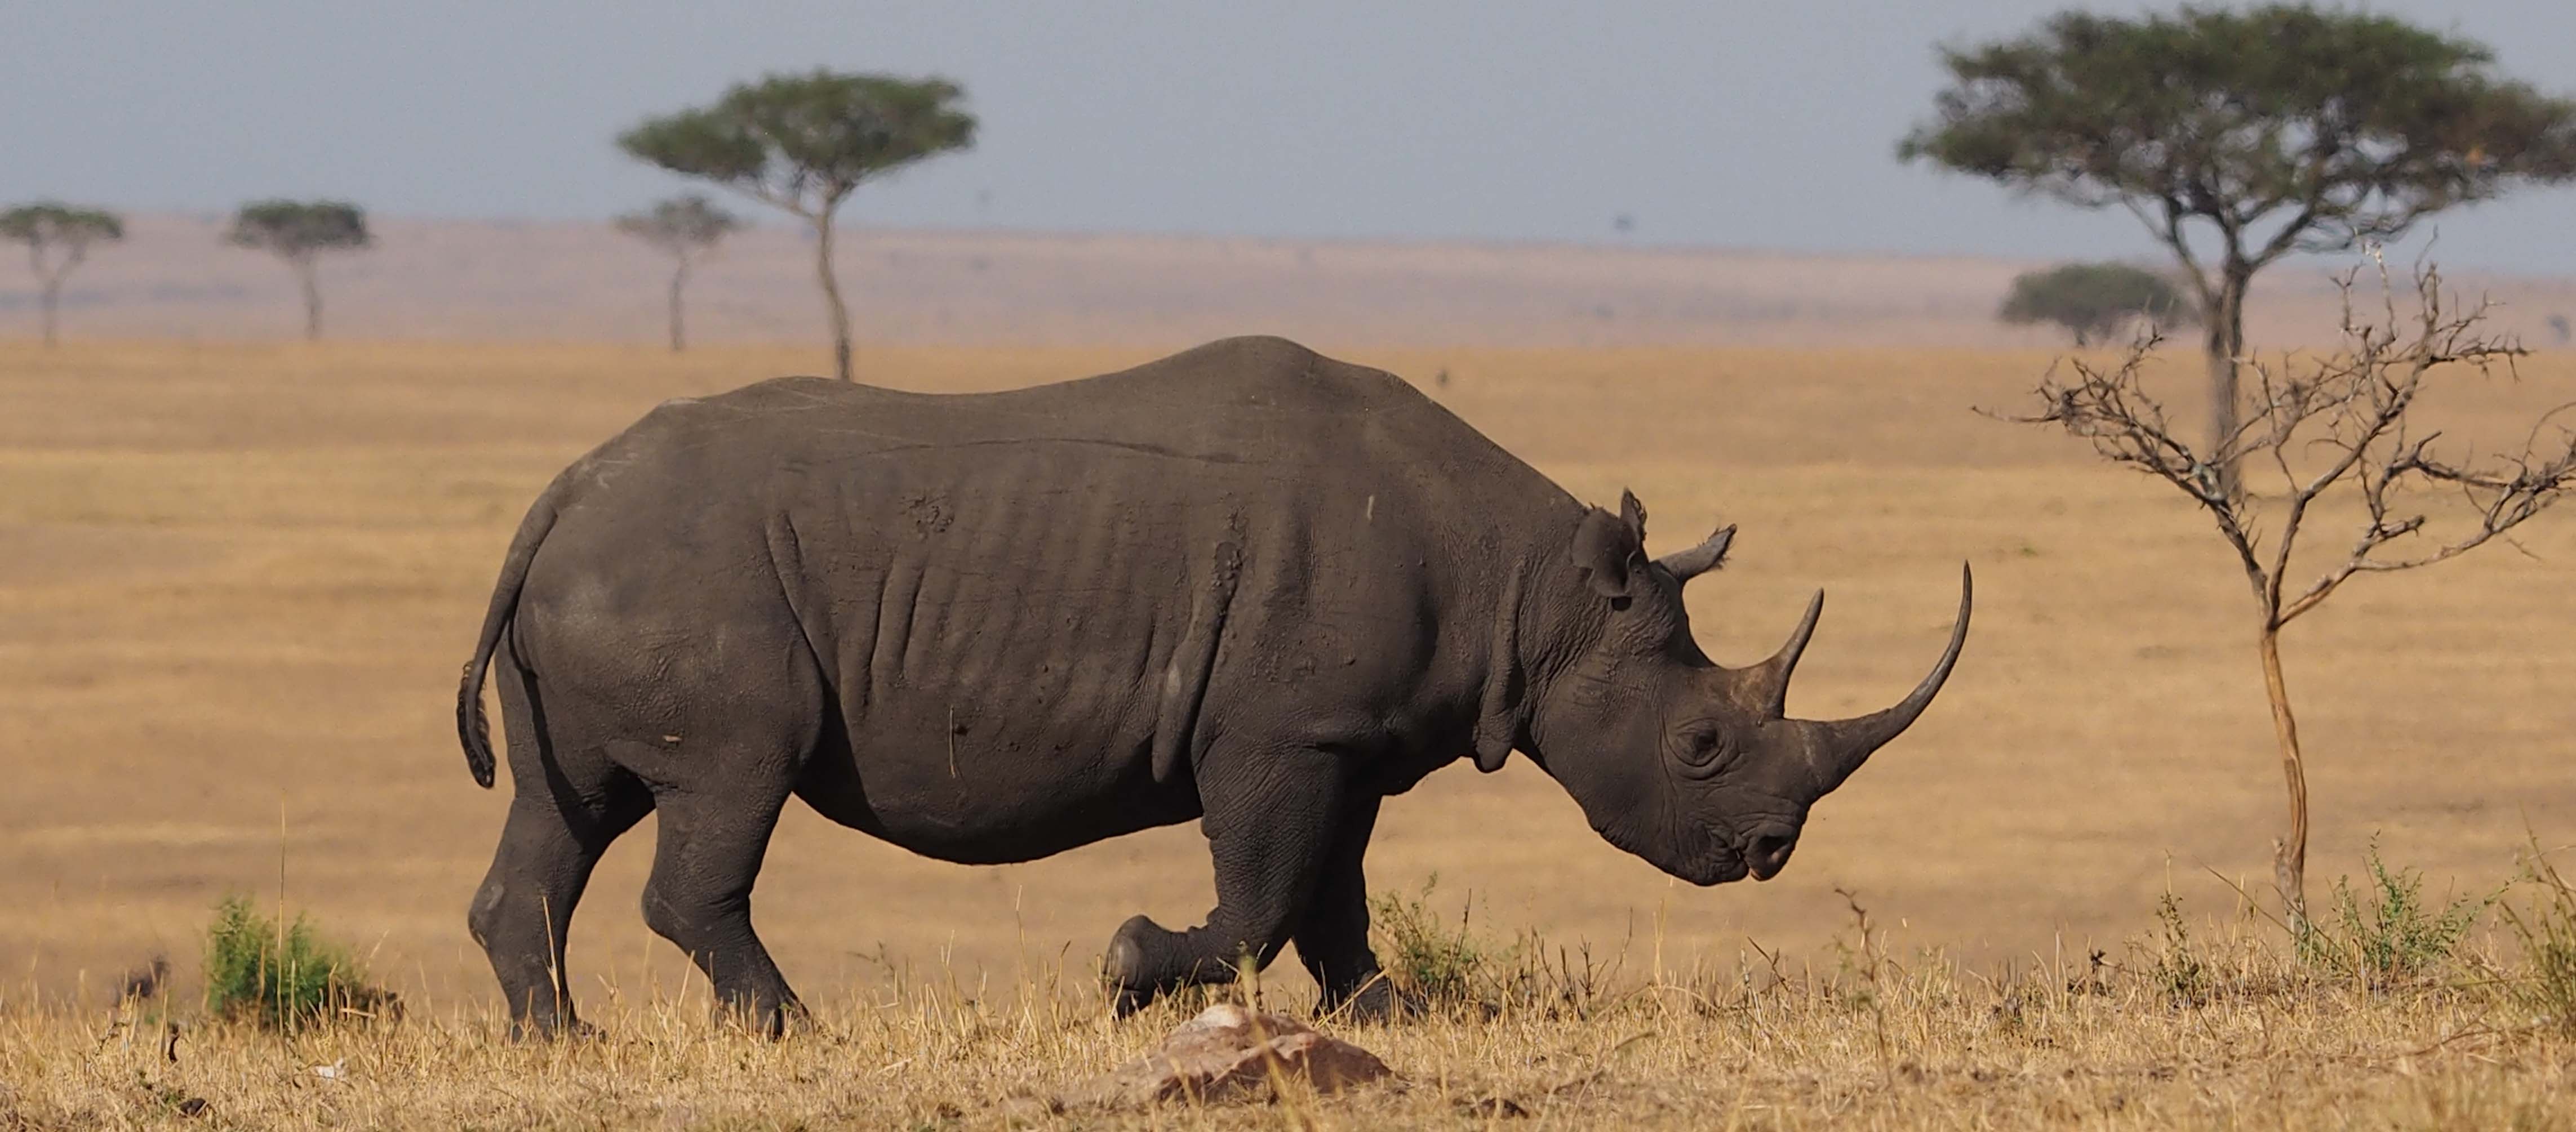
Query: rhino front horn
{"type": "Point", "coordinates": [1847, 743]}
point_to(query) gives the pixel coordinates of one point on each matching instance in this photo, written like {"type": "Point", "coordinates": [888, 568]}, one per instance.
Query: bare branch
{"type": "Point", "coordinates": [2126, 425]}
{"type": "Point", "coordinates": [2329, 423]}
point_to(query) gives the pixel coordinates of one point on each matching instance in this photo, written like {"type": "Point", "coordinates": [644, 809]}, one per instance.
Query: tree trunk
{"type": "Point", "coordinates": [2290, 854]}
{"type": "Point", "coordinates": [679, 278]}
{"type": "Point", "coordinates": [306, 274]}
{"type": "Point", "coordinates": [49, 289]}
{"type": "Point", "coordinates": [48, 301]}
{"type": "Point", "coordinates": [832, 305]}
{"type": "Point", "coordinates": [2226, 343]}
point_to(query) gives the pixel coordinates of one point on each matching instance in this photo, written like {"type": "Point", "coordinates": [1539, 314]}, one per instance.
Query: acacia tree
{"type": "Point", "coordinates": [803, 144]}
{"type": "Point", "coordinates": [58, 237]}
{"type": "Point", "coordinates": [299, 232]}
{"type": "Point", "coordinates": [2260, 132]}
{"type": "Point", "coordinates": [2094, 300]}
{"type": "Point", "coordinates": [2339, 426]}
{"type": "Point", "coordinates": [684, 227]}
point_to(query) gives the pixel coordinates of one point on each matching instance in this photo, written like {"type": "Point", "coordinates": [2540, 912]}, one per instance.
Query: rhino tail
{"type": "Point", "coordinates": [472, 728]}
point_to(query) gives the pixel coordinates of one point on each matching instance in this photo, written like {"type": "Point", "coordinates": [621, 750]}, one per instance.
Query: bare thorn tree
{"type": "Point", "coordinates": [2337, 425]}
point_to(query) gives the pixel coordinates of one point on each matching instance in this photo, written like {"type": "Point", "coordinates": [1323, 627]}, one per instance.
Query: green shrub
{"type": "Point", "coordinates": [1423, 957]}
{"type": "Point", "coordinates": [281, 981]}
{"type": "Point", "coordinates": [2174, 966]}
{"type": "Point", "coordinates": [2387, 935]}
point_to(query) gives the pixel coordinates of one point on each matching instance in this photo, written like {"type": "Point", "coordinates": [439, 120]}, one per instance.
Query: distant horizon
{"type": "Point", "coordinates": [532, 278]}
{"type": "Point", "coordinates": [1453, 121]}
{"type": "Point", "coordinates": [763, 219]}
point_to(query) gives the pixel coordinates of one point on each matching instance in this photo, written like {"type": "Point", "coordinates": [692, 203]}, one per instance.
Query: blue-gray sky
{"type": "Point", "coordinates": [1737, 123]}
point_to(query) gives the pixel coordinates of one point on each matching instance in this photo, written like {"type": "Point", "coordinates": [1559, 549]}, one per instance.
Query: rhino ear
{"type": "Point", "coordinates": [1609, 549]}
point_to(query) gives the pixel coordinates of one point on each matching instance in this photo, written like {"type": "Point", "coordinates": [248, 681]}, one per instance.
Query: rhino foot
{"type": "Point", "coordinates": [1128, 969]}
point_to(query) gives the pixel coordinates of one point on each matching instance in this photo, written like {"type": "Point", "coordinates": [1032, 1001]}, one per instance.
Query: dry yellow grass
{"type": "Point", "coordinates": [1920, 1045]}
{"type": "Point", "coordinates": [235, 583]}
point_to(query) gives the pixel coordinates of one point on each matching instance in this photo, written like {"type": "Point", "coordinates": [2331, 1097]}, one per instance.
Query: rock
{"type": "Point", "coordinates": [1230, 1053]}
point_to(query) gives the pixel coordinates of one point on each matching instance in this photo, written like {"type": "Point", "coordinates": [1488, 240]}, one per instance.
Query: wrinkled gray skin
{"type": "Point", "coordinates": [1245, 584]}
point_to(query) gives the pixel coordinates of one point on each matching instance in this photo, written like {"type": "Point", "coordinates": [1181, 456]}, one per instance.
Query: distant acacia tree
{"type": "Point", "coordinates": [803, 144]}
{"type": "Point", "coordinates": [684, 227]}
{"type": "Point", "coordinates": [58, 237]}
{"type": "Point", "coordinates": [2559, 329]}
{"type": "Point", "coordinates": [2095, 300]}
{"type": "Point", "coordinates": [299, 232]}
{"type": "Point", "coordinates": [2270, 129]}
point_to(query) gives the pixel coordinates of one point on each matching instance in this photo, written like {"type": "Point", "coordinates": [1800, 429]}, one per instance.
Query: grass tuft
{"type": "Point", "coordinates": [2546, 929]}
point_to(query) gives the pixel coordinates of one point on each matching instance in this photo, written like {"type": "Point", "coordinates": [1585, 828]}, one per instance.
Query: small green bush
{"type": "Point", "coordinates": [2174, 966]}
{"type": "Point", "coordinates": [2387, 935]}
{"type": "Point", "coordinates": [286, 981]}
{"type": "Point", "coordinates": [1422, 956]}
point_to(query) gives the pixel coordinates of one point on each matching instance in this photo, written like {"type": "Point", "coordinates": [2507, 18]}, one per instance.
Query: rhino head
{"type": "Point", "coordinates": [1692, 765]}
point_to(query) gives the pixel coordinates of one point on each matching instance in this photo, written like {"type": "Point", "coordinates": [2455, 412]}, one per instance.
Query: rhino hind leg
{"type": "Point", "coordinates": [524, 907]}
{"type": "Point", "coordinates": [1270, 846]}
{"type": "Point", "coordinates": [707, 853]}
{"type": "Point", "coordinates": [566, 809]}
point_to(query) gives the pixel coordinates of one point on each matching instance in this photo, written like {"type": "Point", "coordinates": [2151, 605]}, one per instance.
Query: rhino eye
{"type": "Point", "coordinates": [1705, 746]}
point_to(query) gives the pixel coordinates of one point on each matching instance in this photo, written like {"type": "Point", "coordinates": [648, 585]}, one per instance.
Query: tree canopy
{"type": "Point", "coordinates": [804, 142]}
{"type": "Point", "coordinates": [2321, 127]}
{"type": "Point", "coordinates": [2261, 131]}
{"type": "Point", "coordinates": [2095, 300]}
{"type": "Point", "coordinates": [50, 224]}
{"type": "Point", "coordinates": [298, 229]}
{"type": "Point", "coordinates": [681, 225]}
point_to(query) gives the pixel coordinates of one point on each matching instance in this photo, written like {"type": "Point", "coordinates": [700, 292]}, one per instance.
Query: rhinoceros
{"type": "Point", "coordinates": [1245, 584]}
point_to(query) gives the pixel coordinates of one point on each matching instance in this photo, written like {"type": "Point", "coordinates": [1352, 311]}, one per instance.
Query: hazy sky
{"type": "Point", "coordinates": [1752, 124]}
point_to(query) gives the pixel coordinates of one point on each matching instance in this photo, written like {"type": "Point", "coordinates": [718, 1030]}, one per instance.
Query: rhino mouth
{"type": "Point", "coordinates": [1718, 863]}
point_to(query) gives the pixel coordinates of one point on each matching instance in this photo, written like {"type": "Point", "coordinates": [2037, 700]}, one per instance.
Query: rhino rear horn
{"type": "Point", "coordinates": [1688, 564]}
{"type": "Point", "coordinates": [1771, 677]}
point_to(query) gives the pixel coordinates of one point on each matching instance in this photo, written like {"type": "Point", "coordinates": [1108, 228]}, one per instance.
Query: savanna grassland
{"type": "Point", "coordinates": [236, 583]}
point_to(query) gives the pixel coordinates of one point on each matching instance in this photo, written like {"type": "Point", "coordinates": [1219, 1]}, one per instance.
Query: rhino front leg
{"type": "Point", "coordinates": [1270, 821]}
{"type": "Point", "coordinates": [1332, 939]}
